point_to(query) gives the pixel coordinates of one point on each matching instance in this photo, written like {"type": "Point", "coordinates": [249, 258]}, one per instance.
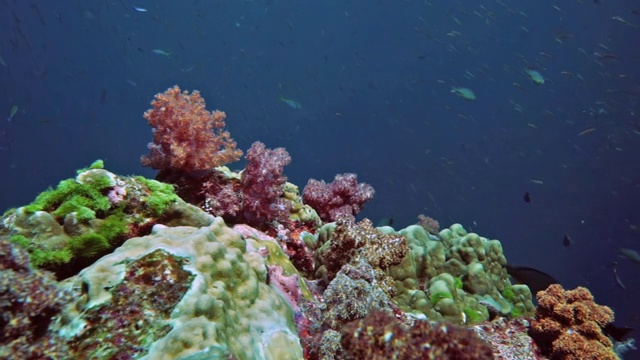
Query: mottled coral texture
{"type": "Point", "coordinates": [568, 325]}
{"type": "Point", "coordinates": [343, 196]}
{"type": "Point", "coordinates": [187, 137]}
{"type": "Point", "coordinates": [29, 302]}
{"type": "Point", "coordinates": [382, 336]}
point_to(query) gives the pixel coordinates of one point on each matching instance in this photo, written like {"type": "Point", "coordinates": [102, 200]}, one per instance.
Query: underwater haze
{"type": "Point", "coordinates": [459, 110]}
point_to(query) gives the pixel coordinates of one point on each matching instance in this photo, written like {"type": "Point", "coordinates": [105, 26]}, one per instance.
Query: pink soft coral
{"type": "Point", "coordinates": [262, 181]}
{"type": "Point", "coordinates": [187, 137]}
{"type": "Point", "coordinates": [343, 196]}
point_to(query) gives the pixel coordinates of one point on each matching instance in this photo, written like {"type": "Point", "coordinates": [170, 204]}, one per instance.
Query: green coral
{"type": "Point", "coordinates": [435, 298]}
{"type": "Point", "coordinates": [509, 294]}
{"type": "Point", "coordinates": [458, 282]}
{"type": "Point", "coordinates": [466, 265]}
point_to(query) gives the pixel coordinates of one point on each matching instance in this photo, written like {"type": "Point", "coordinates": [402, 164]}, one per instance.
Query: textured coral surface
{"type": "Point", "coordinates": [568, 325]}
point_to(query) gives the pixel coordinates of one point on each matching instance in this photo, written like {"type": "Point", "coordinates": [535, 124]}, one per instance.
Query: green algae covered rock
{"type": "Point", "coordinates": [68, 227]}
{"type": "Point", "coordinates": [180, 292]}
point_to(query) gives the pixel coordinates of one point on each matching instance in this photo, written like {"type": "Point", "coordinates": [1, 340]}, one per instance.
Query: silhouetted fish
{"type": "Point", "coordinates": [566, 241]}
{"type": "Point", "coordinates": [618, 333]}
{"type": "Point", "coordinates": [527, 197]}
{"type": "Point", "coordinates": [535, 279]}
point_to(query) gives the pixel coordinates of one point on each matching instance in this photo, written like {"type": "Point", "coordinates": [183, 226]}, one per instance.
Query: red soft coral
{"type": "Point", "coordinates": [187, 137]}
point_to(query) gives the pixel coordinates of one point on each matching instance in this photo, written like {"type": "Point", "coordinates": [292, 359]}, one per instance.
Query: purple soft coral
{"type": "Point", "coordinates": [262, 181]}
{"type": "Point", "coordinates": [343, 196]}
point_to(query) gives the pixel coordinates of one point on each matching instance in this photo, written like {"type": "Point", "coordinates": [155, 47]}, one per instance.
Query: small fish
{"type": "Point", "coordinates": [621, 20]}
{"type": "Point", "coordinates": [464, 93]}
{"type": "Point", "coordinates": [535, 76]}
{"type": "Point", "coordinates": [618, 333]}
{"type": "Point", "coordinates": [536, 181]}
{"type": "Point", "coordinates": [630, 254]}
{"type": "Point", "coordinates": [618, 280]}
{"type": "Point", "coordinates": [161, 52]}
{"type": "Point", "coordinates": [139, 9]}
{"type": "Point", "coordinates": [12, 113]}
{"type": "Point", "coordinates": [566, 241]}
{"type": "Point", "coordinates": [527, 197]}
{"type": "Point", "coordinates": [292, 103]}
{"type": "Point", "coordinates": [586, 131]}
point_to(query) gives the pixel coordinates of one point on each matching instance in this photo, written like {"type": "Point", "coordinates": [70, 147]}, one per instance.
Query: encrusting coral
{"type": "Point", "coordinates": [568, 325]}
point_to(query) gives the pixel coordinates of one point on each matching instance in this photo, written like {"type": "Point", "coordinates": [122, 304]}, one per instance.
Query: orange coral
{"type": "Point", "coordinates": [187, 137]}
{"type": "Point", "coordinates": [568, 325]}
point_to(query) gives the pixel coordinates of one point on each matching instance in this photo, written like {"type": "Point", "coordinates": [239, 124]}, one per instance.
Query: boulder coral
{"type": "Point", "coordinates": [196, 291]}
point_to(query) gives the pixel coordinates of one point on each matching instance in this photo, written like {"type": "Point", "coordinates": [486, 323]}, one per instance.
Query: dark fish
{"type": "Point", "coordinates": [618, 333]}
{"type": "Point", "coordinates": [527, 197]}
{"type": "Point", "coordinates": [385, 222]}
{"type": "Point", "coordinates": [535, 279]}
{"type": "Point", "coordinates": [566, 241]}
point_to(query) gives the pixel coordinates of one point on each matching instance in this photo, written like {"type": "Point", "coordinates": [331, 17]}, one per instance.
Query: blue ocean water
{"type": "Point", "coordinates": [374, 82]}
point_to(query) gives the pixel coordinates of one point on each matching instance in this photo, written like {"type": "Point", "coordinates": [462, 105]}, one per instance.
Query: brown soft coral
{"type": "Point", "coordinates": [568, 325]}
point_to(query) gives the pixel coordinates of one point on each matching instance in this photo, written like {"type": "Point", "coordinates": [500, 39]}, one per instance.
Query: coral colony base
{"type": "Point", "coordinates": [208, 263]}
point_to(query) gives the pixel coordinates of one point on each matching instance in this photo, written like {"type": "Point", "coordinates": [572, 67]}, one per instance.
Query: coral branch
{"type": "Point", "coordinates": [187, 137]}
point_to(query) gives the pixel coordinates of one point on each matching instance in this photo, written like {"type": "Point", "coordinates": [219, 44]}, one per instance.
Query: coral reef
{"type": "Point", "coordinates": [568, 325]}
{"type": "Point", "coordinates": [381, 336]}
{"type": "Point", "coordinates": [187, 137]}
{"type": "Point", "coordinates": [149, 269]}
{"type": "Point", "coordinates": [343, 196]}
{"type": "Point", "coordinates": [30, 300]}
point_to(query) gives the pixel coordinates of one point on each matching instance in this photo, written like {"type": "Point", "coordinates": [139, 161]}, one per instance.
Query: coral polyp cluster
{"type": "Point", "coordinates": [569, 325]}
